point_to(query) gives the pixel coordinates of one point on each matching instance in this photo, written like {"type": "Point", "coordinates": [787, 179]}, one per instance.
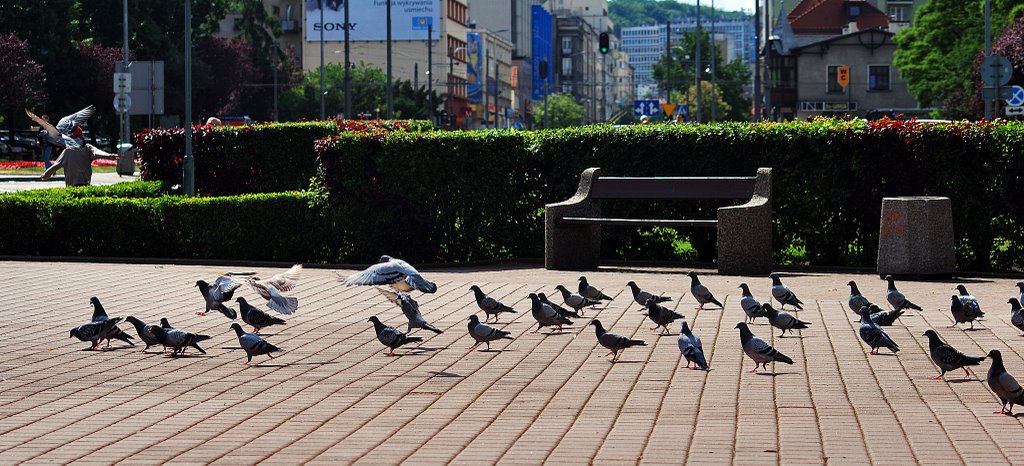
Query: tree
{"type": "Point", "coordinates": [936, 54]}
{"type": "Point", "coordinates": [302, 101]}
{"type": "Point", "coordinates": [730, 78]}
{"type": "Point", "coordinates": [1010, 44]}
{"type": "Point", "coordinates": [21, 79]}
{"type": "Point", "coordinates": [704, 106]}
{"type": "Point", "coordinates": [563, 112]}
{"type": "Point", "coordinates": [229, 60]}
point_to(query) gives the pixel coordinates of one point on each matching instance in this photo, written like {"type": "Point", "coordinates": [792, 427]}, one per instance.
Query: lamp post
{"type": "Point", "coordinates": [322, 91]}
{"type": "Point", "coordinates": [188, 163]}
{"type": "Point", "coordinates": [348, 77]}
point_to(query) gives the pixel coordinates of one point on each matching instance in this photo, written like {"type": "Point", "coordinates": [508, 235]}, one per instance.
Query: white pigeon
{"type": "Point", "coordinates": [270, 289]}
{"type": "Point", "coordinates": [390, 271]}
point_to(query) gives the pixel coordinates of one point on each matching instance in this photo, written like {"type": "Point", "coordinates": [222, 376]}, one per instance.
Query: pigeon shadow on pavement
{"type": "Point", "coordinates": [445, 374]}
{"type": "Point", "coordinates": [775, 374]}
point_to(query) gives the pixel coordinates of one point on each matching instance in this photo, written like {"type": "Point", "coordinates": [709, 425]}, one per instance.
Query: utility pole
{"type": "Point", "coordinates": [668, 60]}
{"type": "Point", "coordinates": [348, 66]}
{"type": "Point", "coordinates": [989, 113]}
{"type": "Point", "coordinates": [126, 128]}
{"type": "Point", "coordinates": [322, 91]}
{"type": "Point", "coordinates": [188, 163]}
{"type": "Point", "coordinates": [757, 60]}
{"type": "Point", "coordinates": [714, 58]}
{"type": "Point", "coordinates": [390, 96]}
{"type": "Point", "coordinates": [697, 66]}
{"type": "Point", "coordinates": [430, 70]}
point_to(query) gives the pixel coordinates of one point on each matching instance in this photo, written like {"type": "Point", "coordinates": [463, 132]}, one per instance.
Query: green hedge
{"type": "Point", "coordinates": [275, 226]}
{"type": "Point", "coordinates": [246, 159]}
{"type": "Point", "coordinates": [133, 189]}
{"type": "Point", "coordinates": [470, 195]}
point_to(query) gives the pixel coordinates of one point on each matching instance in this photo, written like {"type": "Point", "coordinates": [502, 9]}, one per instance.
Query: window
{"type": "Point", "coordinates": [878, 78]}
{"type": "Point", "coordinates": [898, 13]}
{"type": "Point", "coordinates": [567, 45]}
{"type": "Point", "coordinates": [854, 11]}
{"type": "Point", "coordinates": [566, 66]}
{"type": "Point", "coordinates": [832, 80]}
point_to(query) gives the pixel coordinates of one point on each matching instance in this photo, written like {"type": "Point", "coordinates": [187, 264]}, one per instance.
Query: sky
{"type": "Point", "coordinates": [727, 5]}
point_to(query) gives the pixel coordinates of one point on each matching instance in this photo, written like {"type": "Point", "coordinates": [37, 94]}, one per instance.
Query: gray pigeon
{"type": "Point", "coordinates": [545, 315]}
{"type": "Point", "coordinates": [395, 272]}
{"type": "Point", "coordinates": [94, 331]}
{"type": "Point", "coordinates": [661, 315]}
{"type": "Point", "coordinates": [410, 308]}
{"type": "Point", "coordinates": [1003, 385]}
{"type": "Point", "coordinates": [751, 306]}
{"type": "Point", "coordinates": [1016, 314]}
{"type": "Point", "coordinates": [701, 292]}
{"type": "Point", "coordinates": [559, 309]}
{"type": "Point", "coordinates": [489, 305]}
{"type": "Point", "coordinates": [615, 343]}
{"type": "Point", "coordinates": [484, 333]}
{"type": "Point", "coordinates": [271, 288]}
{"type": "Point", "coordinates": [896, 299]}
{"type": "Point", "coordinates": [964, 310]}
{"type": "Point", "coordinates": [255, 317]}
{"type": "Point", "coordinates": [68, 131]}
{"type": "Point", "coordinates": [873, 335]}
{"type": "Point", "coordinates": [575, 301]}
{"type": "Point", "coordinates": [390, 336]}
{"type": "Point", "coordinates": [146, 336]}
{"type": "Point", "coordinates": [883, 318]}
{"type": "Point", "coordinates": [948, 358]}
{"type": "Point", "coordinates": [691, 348]}
{"type": "Point", "coordinates": [98, 315]}
{"type": "Point", "coordinates": [783, 320]}
{"type": "Point", "coordinates": [216, 293]}
{"type": "Point", "coordinates": [177, 340]}
{"type": "Point", "coordinates": [253, 344]}
{"type": "Point", "coordinates": [759, 350]}
{"type": "Point", "coordinates": [782, 294]}
{"type": "Point", "coordinates": [641, 296]}
{"type": "Point", "coordinates": [589, 291]}
{"type": "Point", "coordinates": [856, 301]}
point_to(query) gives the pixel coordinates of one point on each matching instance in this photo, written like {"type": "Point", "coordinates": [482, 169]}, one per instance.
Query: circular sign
{"type": "Point", "coordinates": [1016, 97]}
{"type": "Point", "coordinates": [996, 70]}
{"type": "Point", "coordinates": [122, 102]}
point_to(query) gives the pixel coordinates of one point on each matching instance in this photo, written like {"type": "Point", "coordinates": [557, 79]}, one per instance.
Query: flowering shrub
{"type": "Point", "coordinates": [16, 165]}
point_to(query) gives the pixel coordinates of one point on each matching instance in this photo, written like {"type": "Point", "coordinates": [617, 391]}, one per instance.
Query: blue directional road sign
{"type": "Point", "coordinates": [646, 107]}
{"type": "Point", "coordinates": [1017, 97]}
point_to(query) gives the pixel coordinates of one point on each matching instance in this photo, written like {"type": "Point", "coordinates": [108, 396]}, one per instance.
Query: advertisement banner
{"type": "Point", "coordinates": [368, 19]}
{"type": "Point", "coordinates": [540, 38]}
{"type": "Point", "coordinates": [474, 90]}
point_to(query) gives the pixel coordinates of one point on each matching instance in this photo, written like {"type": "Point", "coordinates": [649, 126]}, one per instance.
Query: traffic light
{"type": "Point", "coordinates": [543, 72]}
{"type": "Point", "coordinates": [603, 42]}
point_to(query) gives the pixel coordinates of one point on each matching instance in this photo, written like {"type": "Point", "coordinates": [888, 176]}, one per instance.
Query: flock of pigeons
{"type": "Point", "coordinates": [403, 279]}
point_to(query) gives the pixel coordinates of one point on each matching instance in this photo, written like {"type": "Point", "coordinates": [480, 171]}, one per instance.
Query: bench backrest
{"type": "Point", "coordinates": [673, 188]}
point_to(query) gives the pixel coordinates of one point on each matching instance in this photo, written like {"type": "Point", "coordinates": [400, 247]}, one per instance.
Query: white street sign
{"type": "Point", "coordinates": [1012, 111]}
{"type": "Point", "coordinates": [122, 83]}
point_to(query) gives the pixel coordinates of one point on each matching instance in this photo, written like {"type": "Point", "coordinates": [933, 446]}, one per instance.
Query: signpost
{"type": "Point", "coordinates": [996, 71]}
{"type": "Point", "coordinates": [1016, 98]}
{"type": "Point", "coordinates": [667, 110]}
{"type": "Point", "coordinates": [649, 108]}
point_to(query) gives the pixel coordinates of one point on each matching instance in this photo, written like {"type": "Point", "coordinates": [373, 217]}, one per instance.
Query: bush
{"type": "Point", "coordinates": [135, 189]}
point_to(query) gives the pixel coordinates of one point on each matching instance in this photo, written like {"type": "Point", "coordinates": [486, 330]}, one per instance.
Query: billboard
{"type": "Point", "coordinates": [367, 19]}
{"type": "Point", "coordinates": [540, 38]}
{"type": "Point", "coordinates": [474, 90]}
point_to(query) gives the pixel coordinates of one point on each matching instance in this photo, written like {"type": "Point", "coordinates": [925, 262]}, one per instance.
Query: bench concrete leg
{"type": "Point", "coordinates": [745, 241]}
{"type": "Point", "coordinates": [571, 247]}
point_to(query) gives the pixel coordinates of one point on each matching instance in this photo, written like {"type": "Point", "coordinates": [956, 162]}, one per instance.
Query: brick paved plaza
{"type": "Point", "coordinates": [334, 397]}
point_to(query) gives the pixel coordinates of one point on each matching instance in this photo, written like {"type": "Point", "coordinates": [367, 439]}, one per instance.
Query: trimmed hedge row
{"type": "Point", "coordinates": [276, 226]}
{"type": "Point", "coordinates": [470, 195]}
{"type": "Point", "coordinates": [245, 159]}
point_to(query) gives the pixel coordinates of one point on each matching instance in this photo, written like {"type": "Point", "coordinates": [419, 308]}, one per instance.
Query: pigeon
{"type": "Point", "coordinates": [641, 296]}
{"type": "Point", "coordinates": [782, 294]}
{"type": "Point", "coordinates": [589, 291]}
{"type": "Point", "coordinates": [575, 301]}
{"type": "Point", "coordinates": [856, 300]}
{"type": "Point", "coordinates": [751, 306]}
{"type": "Point", "coordinates": [883, 318]}
{"type": "Point", "coordinates": [68, 131]}
{"type": "Point", "coordinates": [1016, 314]}
{"type": "Point", "coordinates": [484, 333]}
{"type": "Point", "coordinates": [177, 340]}
{"type": "Point", "coordinates": [164, 323]}
{"type": "Point", "coordinates": [759, 350]}
{"type": "Point", "coordinates": [255, 317]}
{"type": "Point", "coordinates": [145, 335]}
{"type": "Point", "coordinates": [390, 336]}
{"type": "Point", "coordinates": [783, 320]}
{"type": "Point", "coordinates": [99, 315]}
{"type": "Point", "coordinates": [873, 335]}
{"type": "Point", "coordinates": [701, 292]}
{"type": "Point", "coordinates": [896, 299]}
{"type": "Point", "coordinates": [661, 315]}
{"type": "Point", "coordinates": [489, 305]}
{"type": "Point", "coordinates": [1003, 385]}
{"type": "Point", "coordinates": [216, 293]}
{"type": "Point", "coordinates": [964, 310]}
{"type": "Point", "coordinates": [390, 271]}
{"type": "Point", "coordinates": [559, 309]}
{"type": "Point", "coordinates": [253, 344]}
{"type": "Point", "coordinates": [947, 357]}
{"type": "Point", "coordinates": [410, 308]}
{"type": "Point", "coordinates": [690, 346]}
{"type": "Point", "coordinates": [545, 315]}
{"type": "Point", "coordinates": [94, 331]}
{"type": "Point", "coordinates": [613, 342]}
{"type": "Point", "coordinates": [271, 288]}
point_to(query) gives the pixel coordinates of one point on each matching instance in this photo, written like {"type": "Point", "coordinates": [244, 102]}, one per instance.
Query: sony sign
{"type": "Point", "coordinates": [367, 20]}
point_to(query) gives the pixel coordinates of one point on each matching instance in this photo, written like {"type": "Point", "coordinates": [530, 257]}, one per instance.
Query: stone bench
{"type": "Point", "coordinates": [572, 228]}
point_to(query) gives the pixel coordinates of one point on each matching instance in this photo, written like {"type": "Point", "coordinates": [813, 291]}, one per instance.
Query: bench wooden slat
{"type": "Point", "coordinates": [673, 188]}
{"type": "Point", "coordinates": [640, 222]}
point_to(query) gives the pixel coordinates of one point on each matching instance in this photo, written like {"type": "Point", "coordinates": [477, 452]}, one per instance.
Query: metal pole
{"type": "Point", "coordinates": [451, 73]}
{"type": "Point", "coordinates": [497, 90]}
{"type": "Point", "coordinates": [989, 111]}
{"type": "Point", "coordinates": [277, 64]}
{"type": "Point", "coordinates": [430, 71]}
{"type": "Point", "coordinates": [668, 60]}
{"type": "Point", "coordinates": [348, 66]}
{"type": "Point", "coordinates": [487, 79]}
{"type": "Point", "coordinates": [189, 174]}
{"type": "Point", "coordinates": [322, 91]}
{"type": "Point", "coordinates": [547, 79]}
{"type": "Point", "coordinates": [714, 58]}
{"type": "Point", "coordinates": [757, 59]}
{"type": "Point", "coordinates": [390, 96]}
{"type": "Point", "coordinates": [697, 68]}
{"type": "Point", "coordinates": [126, 130]}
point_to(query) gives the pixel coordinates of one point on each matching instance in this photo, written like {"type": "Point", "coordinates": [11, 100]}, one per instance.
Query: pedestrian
{"type": "Point", "coordinates": [214, 121]}
{"type": "Point", "coordinates": [46, 144]}
{"type": "Point", "coordinates": [77, 156]}
{"type": "Point", "coordinates": [645, 120]}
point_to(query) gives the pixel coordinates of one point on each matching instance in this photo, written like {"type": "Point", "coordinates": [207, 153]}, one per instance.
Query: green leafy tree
{"type": "Point", "coordinates": [704, 106]}
{"type": "Point", "coordinates": [730, 78]}
{"type": "Point", "coordinates": [368, 85]}
{"type": "Point", "coordinates": [936, 55]}
{"type": "Point", "coordinates": [626, 13]}
{"type": "Point", "coordinates": [563, 111]}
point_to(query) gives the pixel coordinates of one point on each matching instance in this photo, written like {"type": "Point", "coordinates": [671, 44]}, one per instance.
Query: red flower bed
{"type": "Point", "coordinates": [17, 165]}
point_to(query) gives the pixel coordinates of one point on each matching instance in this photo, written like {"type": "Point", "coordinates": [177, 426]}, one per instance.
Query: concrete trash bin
{"type": "Point", "coordinates": [915, 236]}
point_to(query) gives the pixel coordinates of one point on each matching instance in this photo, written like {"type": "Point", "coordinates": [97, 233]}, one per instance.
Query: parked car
{"type": "Point", "coordinates": [23, 146]}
